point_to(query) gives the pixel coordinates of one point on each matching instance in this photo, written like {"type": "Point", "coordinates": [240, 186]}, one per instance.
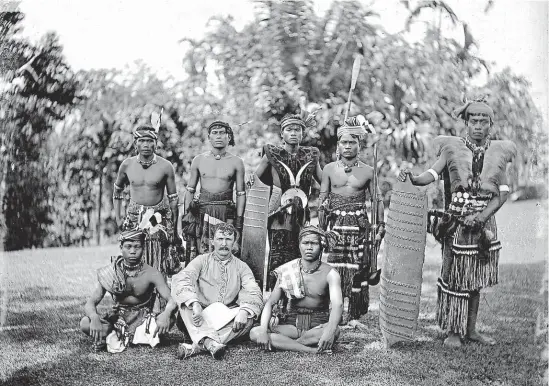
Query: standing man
{"type": "Point", "coordinates": [474, 172]}
{"type": "Point", "coordinates": [313, 289]}
{"type": "Point", "coordinates": [219, 173]}
{"type": "Point", "coordinates": [290, 170]}
{"type": "Point", "coordinates": [220, 280]}
{"type": "Point", "coordinates": [343, 209]}
{"type": "Point", "coordinates": [132, 284]}
{"type": "Point", "coordinates": [148, 175]}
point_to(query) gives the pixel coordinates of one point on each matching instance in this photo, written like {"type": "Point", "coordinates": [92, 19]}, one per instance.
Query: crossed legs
{"type": "Point", "coordinates": [286, 337]}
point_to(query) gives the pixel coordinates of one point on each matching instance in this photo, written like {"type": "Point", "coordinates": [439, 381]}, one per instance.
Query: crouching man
{"type": "Point", "coordinates": [217, 295]}
{"type": "Point", "coordinates": [313, 288]}
{"type": "Point", "coordinates": [132, 285]}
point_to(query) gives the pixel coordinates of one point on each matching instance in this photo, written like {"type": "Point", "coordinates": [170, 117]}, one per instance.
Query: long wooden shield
{"type": "Point", "coordinates": [402, 272]}
{"type": "Point", "coordinates": [254, 233]}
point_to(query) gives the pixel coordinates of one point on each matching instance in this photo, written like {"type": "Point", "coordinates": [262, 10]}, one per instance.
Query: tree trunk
{"type": "Point", "coordinates": [99, 208]}
{"type": "Point", "coordinates": [3, 228]}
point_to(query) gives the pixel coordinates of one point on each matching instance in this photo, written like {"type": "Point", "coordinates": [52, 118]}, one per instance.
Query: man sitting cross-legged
{"type": "Point", "coordinates": [217, 295]}
{"type": "Point", "coordinates": [132, 284]}
{"type": "Point", "coordinates": [312, 287]}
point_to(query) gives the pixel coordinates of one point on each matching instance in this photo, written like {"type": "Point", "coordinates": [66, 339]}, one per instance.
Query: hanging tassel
{"type": "Point", "coordinates": [452, 310]}
{"type": "Point", "coordinates": [360, 295]}
{"type": "Point", "coordinates": [359, 302]}
{"type": "Point", "coordinates": [469, 273]}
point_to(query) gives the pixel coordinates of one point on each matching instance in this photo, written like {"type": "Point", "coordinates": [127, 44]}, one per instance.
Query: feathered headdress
{"type": "Point", "coordinates": [305, 119]}
{"type": "Point", "coordinates": [146, 131]}
{"type": "Point", "coordinates": [358, 126]}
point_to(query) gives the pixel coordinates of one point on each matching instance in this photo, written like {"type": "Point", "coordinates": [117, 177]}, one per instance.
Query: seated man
{"type": "Point", "coordinates": [132, 285]}
{"type": "Point", "coordinates": [311, 287]}
{"type": "Point", "coordinates": [217, 295]}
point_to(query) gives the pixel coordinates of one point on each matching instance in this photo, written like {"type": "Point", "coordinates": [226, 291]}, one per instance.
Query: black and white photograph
{"type": "Point", "coordinates": [274, 192]}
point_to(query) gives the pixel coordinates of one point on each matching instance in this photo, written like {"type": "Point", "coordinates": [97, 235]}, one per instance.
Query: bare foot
{"type": "Point", "coordinates": [356, 324]}
{"type": "Point", "coordinates": [453, 341]}
{"type": "Point", "coordinates": [482, 339]}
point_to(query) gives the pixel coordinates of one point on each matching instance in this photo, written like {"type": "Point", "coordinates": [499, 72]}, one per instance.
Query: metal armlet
{"type": "Point", "coordinates": [174, 197]}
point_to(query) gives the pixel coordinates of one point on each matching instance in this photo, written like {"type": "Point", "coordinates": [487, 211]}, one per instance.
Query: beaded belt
{"type": "Point", "coordinates": [465, 203]}
{"type": "Point", "coordinates": [349, 212]}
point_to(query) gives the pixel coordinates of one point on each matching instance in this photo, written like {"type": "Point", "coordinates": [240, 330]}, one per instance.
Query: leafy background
{"type": "Point", "coordinates": [65, 133]}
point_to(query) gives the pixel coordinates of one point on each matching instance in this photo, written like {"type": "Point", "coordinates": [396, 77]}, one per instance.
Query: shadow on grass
{"type": "Point", "coordinates": [56, 353]}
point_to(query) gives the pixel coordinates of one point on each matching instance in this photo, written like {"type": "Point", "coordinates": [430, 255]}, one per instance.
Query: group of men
{"type": "Point", "coordinates": [216, 294]}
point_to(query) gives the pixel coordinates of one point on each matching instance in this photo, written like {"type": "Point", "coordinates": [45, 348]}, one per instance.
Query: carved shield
{"type": "Point", "coordinates": [402, 272]}
{"type": "Point", "coordinates": [254, 233]}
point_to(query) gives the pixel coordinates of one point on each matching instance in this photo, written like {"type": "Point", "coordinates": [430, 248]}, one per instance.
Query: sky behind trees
{"type": "Point", "coordinates": [106, 34]}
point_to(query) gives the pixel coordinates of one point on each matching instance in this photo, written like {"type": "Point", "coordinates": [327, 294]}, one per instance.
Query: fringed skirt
{"type": "Point", "coordinates": [347, 216]}
{"type": "Point", "coordinates": [464, 273]}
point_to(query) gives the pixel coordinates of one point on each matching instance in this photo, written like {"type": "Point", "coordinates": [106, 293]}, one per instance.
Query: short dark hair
{"type": "Point", "coordinates": [225, 229]}
{"type": "Point", "coordinates": [227, 128]}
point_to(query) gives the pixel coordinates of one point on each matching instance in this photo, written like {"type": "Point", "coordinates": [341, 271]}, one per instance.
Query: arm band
{"type": "Point", "coordinates": [433, 173]}
{"type": "Point", "coordinates": [191, 190]}
{"type": "Point", "coordinates": [117, 196]}
{"type": "Point", "coordinates": [242, 193]}
{"type": "Point", "coordinates": [173, 197]}
{"type": "Point", "coordinates": [504, 188]}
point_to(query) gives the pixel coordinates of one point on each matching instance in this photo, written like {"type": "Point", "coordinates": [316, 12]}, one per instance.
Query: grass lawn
{"type": "Point", "coordinates": [44, 291]}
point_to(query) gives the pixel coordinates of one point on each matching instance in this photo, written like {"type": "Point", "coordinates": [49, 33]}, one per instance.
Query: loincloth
{"type": "Point", "coordinates": [303, 319]}
{"type": "Point", "coordinates": [347, 216]}
{"type": "Point", "coordinates": [134, 215]}
{"type": "Point", "coordinates": [125, 319]}
{"type": "Point", "coordinates": [214, 208]}
{"type": "Point", "coordinates": [159, 251]}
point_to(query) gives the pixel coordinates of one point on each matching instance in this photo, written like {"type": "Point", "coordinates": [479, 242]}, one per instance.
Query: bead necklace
{"type": "Point", "coordinates": [309, 271]}
{"type": "Point", "coordinates": [146, 164]}
{"type": "Point", "coordinates": [133, 271]}
{"type": "Point", "coordinates": [218, 156]}
{"type": "Point", "coordinates": [347, 168]}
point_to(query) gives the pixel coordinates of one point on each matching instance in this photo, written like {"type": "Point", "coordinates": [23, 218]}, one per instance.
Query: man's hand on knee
{"type": "Point", "coordinates": [96, 328]}
{"type": "Point", "coordinates": [162, 324]}
{"type": "Point", "coordinates": [197, 314]}
{"type": "Point", "coordinates": [240, 321]}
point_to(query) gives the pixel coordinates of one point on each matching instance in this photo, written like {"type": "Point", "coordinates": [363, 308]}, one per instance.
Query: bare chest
{"type": "Point", "coordinates": [153, 176]}
{"type": "Point", "coordinates": [357, 179]}
{"type": "Point", "coordinates": [221, 169]}
{"type": "Point", "coordinates": [316, 285]}
{"type": "Point", "coordinates": [139, 286]}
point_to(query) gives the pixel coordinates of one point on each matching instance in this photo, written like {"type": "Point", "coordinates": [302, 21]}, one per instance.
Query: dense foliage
{"type": "Point", "coordinates": [66, 134]}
